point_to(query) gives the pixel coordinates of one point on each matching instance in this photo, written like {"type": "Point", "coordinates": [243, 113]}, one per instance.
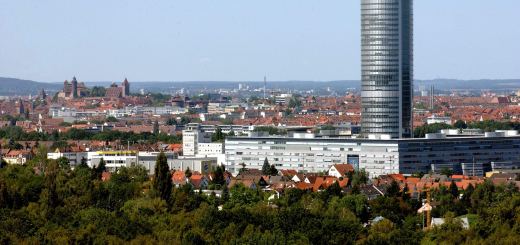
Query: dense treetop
{"type": "Point", "coordinates": [59, 206]}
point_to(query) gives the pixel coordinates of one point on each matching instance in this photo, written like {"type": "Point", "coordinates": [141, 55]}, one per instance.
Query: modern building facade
{"type": "Point", "coordinates": [492, 151]}
{"type": "Point", "coordinates": [387, 67]}
{"type": "Point", "coordinates": [192, 136]}
{"type": "Point", "coordinates": [114, 159]}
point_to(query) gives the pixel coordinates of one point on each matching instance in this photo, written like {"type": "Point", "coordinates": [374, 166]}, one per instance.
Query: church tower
{"type": "Point", "coordinates": [126, 88]}
{"type": "Point", "coordinates": [19, 107]}
{"type": "Point", "coordinates": [43, 95]}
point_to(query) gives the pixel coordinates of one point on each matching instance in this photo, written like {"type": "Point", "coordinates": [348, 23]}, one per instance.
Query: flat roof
{"type": "Point", "coordinates": [366, 140]}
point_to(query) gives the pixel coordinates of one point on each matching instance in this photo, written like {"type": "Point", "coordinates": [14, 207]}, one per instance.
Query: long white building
{"type": "Point", "coordinates": [381, 155]}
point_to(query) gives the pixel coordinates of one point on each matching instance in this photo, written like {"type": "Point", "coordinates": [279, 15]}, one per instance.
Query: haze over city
{"type": "Point", "coordinates": [50, 41]}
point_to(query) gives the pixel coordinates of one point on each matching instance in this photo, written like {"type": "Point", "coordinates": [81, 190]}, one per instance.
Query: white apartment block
{"type": "Point", "coordinates": [191, 137]}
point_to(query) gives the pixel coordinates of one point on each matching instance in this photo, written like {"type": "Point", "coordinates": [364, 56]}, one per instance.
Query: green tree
{"type": "Point", "coordinates": [242, 196]}
{"type": "Point", "coordinates": [265, 167]}
{"type": "Point", "coordinates": [63, 163]}
{"type": "Point", "coordinates": [135, 122]}
{"type": "Point", "coordinates": [421, 131]}
{"type": "Point", "coordinates": [460, 124]}
{"type": "Point", "coordinates": [188, 173]}
{"type": "Point", "coordinates": [231, 133]}
{"type": "Point", "coordinates": [218, 136]}
{"type": "Point", "coordinates": [65, 124]}
{"type": "Point", "coordinates": [184, 120]}
{"type": "Point", "coordinates": [379, 233]}
{"type": "Point", "coordinates": [227, 121]}
{"type": "Point", "coordinates": [225, 194]}
{"type": "Point", "coordinates": [358, 204]}
{"type": "Point", "coordinates": [102, 166]}
{"type": "Point", "coordinates": [218, 177]}
{"type": "Point", "coordinates": [171, 121]}
{"type": "Point", "coordinates": [453, 190]}
{"type": "Point", "coordinates": [243, 167]}
{"type": "Point", "coordinates": [97, 171]}
{"type": "Point", "coordinates": [405, 196]}
{"type": "Point", "coordinates": [111, 119]}
{"type": "Point", "coordinates": [446, 171]}
{"type": "Point", "coordinates": [272, 170]}
{"type": "Point", "coordinates": [192, 238]}
{"type": "Point", "coordinates": [334, 190]}
{"type": "Point", "coordinates": [292, 103]}
{"type": "Point", "coordinates": [393, 189]}
{"type": "Point", "coordinates": [355, 190]}
{"type": "Point", "coordinates": [482, 196]}
{"type": "Point", "coordinates": [51, 196]}
{"type": "Point", "coordinates": [418, 174]}
{"type": "Point", "coordinates": [162, 179]}
{"type": "Point", "coordinates": [420, 106]}
{"type": "Point", "coordinates": [328, 127]}
{"type": "Point", "coordinates": [360, 177]}
{"type": "Point", "coordinates": [83, 164]}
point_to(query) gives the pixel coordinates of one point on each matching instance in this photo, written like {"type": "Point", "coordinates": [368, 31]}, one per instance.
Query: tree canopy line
{"type": "Point", "coordinates": [60, 205]}
{"type": "Point", "coordinates": [486, 126]}
{"type": "Point", "coordinates": [18, 134]}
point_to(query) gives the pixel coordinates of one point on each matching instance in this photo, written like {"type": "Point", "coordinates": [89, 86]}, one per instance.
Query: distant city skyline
{"type": "Point", "coordinates": [244, 41]}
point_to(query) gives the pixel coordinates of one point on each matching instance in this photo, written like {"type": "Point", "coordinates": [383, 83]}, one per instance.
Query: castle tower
{"type": "Point", "coordinates": [74, 84]}
{"type": "Point", "coordinates": [66, 86]}
{"type": "Point", "coordinates": [126, 88]}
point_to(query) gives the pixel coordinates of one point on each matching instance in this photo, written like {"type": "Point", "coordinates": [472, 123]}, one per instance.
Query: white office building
{"type": "Point", "coordinates": [378, 155]}
{"type": "Point", "coordinates": [114, 159]}
{"type": "Point", "coordinates": [438, 119]}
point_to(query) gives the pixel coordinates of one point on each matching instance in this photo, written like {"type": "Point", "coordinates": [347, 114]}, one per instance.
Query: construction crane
{"type": "Point", "coordinates": [429, 209]}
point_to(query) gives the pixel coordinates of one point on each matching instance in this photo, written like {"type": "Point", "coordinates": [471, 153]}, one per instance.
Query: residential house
{"type": "Point", "coordinates": [198, 183]}
{"type": "Point", "coordinates": [298, 178]}
{"type": "Point", "coordinates": [105, 176]}
{"type": "Point", "coordinates": [259, 181]}
{"type": "Point", "coordinates": [371, 191]}
{"type": "Point", "coordinates": [440, 221]}
{"type": "Point", "coordinates": [18, 156]}
{"type": "Point", "coordinates": [340, 170]}
{"type": "Point", "coordinates": [179, 183]}
{"type": "Point", "coordinates": [247, 183]}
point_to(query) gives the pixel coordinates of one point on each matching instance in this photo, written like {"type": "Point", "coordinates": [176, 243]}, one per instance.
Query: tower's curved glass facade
{"type": "Point", "coordinates": [387, 67]}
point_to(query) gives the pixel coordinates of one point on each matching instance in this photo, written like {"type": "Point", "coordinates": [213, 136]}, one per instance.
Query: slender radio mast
{"type": "Point", "coordinates": [264, 87]}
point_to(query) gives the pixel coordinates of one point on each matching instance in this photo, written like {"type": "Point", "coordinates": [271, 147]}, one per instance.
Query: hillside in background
{"type": "Point", "coordinates": [14, 86]}
{"type": "Point", "coordinates": [338, 86]}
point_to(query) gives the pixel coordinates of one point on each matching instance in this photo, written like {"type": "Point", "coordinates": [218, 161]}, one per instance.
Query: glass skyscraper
{"type": "Point", "coordinates": [387, 67]}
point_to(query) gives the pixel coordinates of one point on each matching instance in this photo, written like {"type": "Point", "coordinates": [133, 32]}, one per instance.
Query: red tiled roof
{"type": "Point", "coordinates": [343, 169]}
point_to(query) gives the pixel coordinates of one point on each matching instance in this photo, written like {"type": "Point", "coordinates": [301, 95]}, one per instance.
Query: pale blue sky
{"type": "Point", "coordinates": [50, 41]}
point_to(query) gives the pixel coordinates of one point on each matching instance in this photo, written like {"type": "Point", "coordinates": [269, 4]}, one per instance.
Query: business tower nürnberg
{"type": "Point", "coordinates": [386, 68]}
